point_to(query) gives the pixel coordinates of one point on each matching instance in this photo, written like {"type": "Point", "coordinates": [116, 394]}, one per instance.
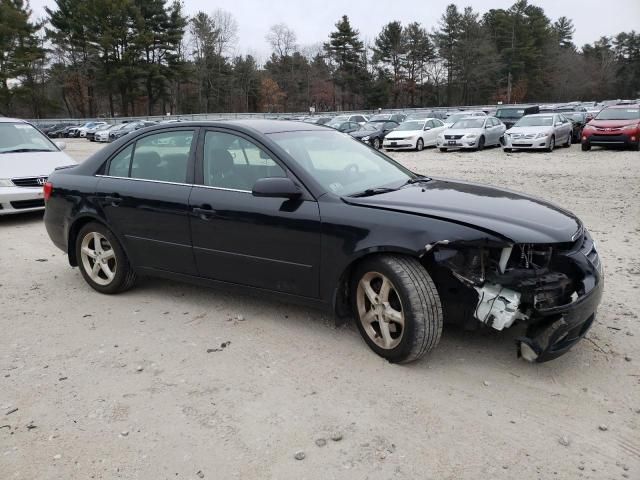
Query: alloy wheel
{"type": "Point", "coordinates": [380, 310]}
{"type": "Point", "coordinates": [98, 258]}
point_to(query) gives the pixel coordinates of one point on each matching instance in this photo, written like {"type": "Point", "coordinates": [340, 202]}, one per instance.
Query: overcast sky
{"type": "Point", "coordinates": [313, 20]}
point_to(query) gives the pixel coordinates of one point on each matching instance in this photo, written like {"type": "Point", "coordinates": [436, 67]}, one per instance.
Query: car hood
{"type": "Point", "coordinates": [403, 133]}
{"type": "Point", "coordinates": [463, 131]}
{"type": "Point", "coordinates": [32, 164]}
{"type": "Point", "coordinates": [511, 215]}
{"type": "Point", "coordinates": [367, 133]}
{"type": "Point", "coordinates": [528, 130]}
{"type": "Point", "coordinates": [612, 123]}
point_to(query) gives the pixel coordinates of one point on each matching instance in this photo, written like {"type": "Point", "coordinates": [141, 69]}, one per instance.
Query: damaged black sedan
{"type": "Point", "coordinates": [312, 216]}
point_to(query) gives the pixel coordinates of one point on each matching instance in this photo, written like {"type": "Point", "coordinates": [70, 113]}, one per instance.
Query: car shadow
{"type": "Point", "coordinates": [20, 219]}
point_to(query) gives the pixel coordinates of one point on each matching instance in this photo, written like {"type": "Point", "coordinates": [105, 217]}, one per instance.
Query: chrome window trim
{"type": "Point", "coordinates": [174, 183]}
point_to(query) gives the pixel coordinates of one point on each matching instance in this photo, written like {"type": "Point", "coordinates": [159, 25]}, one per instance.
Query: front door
{"type": "Point", "coordinates": [270, 243]}
{"type": "Point", "coordinates": [145, 198]}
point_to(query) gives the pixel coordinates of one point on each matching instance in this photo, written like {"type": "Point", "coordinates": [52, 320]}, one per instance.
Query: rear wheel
{"type": "Point", "coordinates": [420, 145]}
{"type": "Point", "coordinates": [397, 307]}
{"type": "Point", "coordinates": [102, 261]}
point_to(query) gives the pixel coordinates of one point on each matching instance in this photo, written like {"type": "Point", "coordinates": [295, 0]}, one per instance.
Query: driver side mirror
{"type": "Point", "coordinates": [427, 128]}
{"type": "Point", "coordinates": [276, 187]}
{"type": "Point", "coordinates": [558, 124]}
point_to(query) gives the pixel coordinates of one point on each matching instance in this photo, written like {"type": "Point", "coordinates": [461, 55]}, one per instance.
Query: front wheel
{"type": "Point", "coordinates": [507, 150]}
{"type": "Point", "coordinates": [102, 261]}
{"type": "Point", "coordinates": [442, 149]}
{"type": "Point", "coordinates": [376, 143]}
{"type": "Point", "coordinates": [397, 307]}
{"type": "Point", "coordinates": [552, 144]}
{"type": "Point", "coordinates": [480, 144]}
{"type": "Point", "coordinates": [586, 147]}
{"type": "Point", "coordinates": [420, 145]}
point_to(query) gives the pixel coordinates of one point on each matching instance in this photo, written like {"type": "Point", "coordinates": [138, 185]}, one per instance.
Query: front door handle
{"type": "Point", "coordinates": [205, 212]}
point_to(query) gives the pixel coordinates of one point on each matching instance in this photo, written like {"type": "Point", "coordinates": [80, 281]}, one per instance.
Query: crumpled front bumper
{"type": "Point", "coordinates": [554, 331]}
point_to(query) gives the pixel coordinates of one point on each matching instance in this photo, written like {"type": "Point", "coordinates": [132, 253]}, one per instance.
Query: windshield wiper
{"type": "Point", "coordinates": [373, 191]}
{"type": "Point", "coordinates": [22, 150]}
{"type": "Point", "coordinates": [417, 179]}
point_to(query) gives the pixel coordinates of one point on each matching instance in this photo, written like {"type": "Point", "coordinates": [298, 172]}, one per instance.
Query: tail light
{"type": "Point", "coordinates": [47, 189]}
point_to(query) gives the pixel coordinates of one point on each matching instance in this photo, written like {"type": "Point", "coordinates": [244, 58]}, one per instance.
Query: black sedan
{"type": "Point", "coordinates": [578, 120]}
{"type": "Point", "coordinates": [310, 215]}
{"type": "Point", "coordinates": [373, 132]}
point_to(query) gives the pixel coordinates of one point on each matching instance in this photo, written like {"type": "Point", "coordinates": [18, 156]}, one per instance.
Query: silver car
{"type": "Point", "coordinates": [542, 131]}
{"type": "Point", "coordinates": [472, 133]}
{"type": "Point", "coordinates": [27, 157]}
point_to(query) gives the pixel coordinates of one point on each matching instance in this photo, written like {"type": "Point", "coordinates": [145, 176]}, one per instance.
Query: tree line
{"type": "Point", "coordinates": [147, 57]}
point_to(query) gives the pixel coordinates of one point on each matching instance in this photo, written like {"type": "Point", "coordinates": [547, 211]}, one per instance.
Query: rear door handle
{"type": "Point", "coordinates": [114, 199]}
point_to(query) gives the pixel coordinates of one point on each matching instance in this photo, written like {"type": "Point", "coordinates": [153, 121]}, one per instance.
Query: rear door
{"type": "Point", "coordinates": [270, 243]}
{"type": "Point", "coordinates": [144, 194]}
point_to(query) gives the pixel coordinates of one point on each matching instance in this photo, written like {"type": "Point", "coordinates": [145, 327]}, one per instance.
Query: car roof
{"type": "Point", "coordinates": [545, 114]}
{"type": "Point", "coordinates": [625, 106]}
{"type": "Point", "coordinates": [11, 120]}
{"type": "Point", "coordinates": [259, 126]}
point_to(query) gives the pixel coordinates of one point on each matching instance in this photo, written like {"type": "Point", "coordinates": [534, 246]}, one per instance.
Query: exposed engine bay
{"type": "Point", "coordinates": [499, 286]}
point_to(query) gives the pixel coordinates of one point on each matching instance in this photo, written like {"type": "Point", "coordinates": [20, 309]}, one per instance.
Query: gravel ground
{"type": "Point", "coordinates": [139, 386]}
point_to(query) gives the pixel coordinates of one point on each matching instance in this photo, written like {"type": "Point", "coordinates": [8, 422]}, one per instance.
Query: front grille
{"type": "Point", "coordinates": [608, 139]}
{"type": "Point", "coordinates": [453, 137]}
{"type": "Point", "coordinates": [29, 182]}
{"type": "Point", "coordinates": [20, 204]}
{"type": "Point", "coordinates": [522, 144]}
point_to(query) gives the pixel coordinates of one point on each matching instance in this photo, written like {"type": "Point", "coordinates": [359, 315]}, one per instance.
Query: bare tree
{"type": "Point", "coordinates": [282, 39]}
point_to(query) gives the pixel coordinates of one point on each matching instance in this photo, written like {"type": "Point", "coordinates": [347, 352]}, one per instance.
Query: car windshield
{"type": "Point", "coordinates": [619, 114]}
{"type": "Point", "coordinates": [380, 118]}
{"type": "Point", "coordinates": [104, 127]}
{"type": "Point", "coordinates": [411, 125]}
{"type": "Point", "coordinates": [469, 123]}
{"type": "Point", "coordinates": [130, 126]}
{"type": "Point", "coordinates": [457, 116]}
{"type": "Point", "coordinates": [340, 163]}
{"type": "Point", "coordinates": [372, 127]}
{"type": "Point", "coordinates": [337, 121]}
{"type": "Point", "coordinates": [510, 112]}
{"type": "Point", "coordinates": [22, 137]}
{"type": "Point", "coordinates": [534, 121]}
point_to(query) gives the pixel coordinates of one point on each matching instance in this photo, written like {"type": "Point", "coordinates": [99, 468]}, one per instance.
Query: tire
{"type": "Point", "coordinates": [376, 143]}
{"type": "Point", "coordinates": [411, 297]}
{"type": "Point", "coordinates": [568, 143]}
{"type": "Point", "coordinates": [420, 145]}
{"type": "Point", "coordinates": [481, 144]}
{"type": "Point", "coordinates": [507, 150]}
{"type": "Point", "coordinates": [443, 149]}
{"type": "Point", "coordinates": [552, 144]}
{"type": "Point", "coordinates": [586, 147]}
{"type": "Point", "coordinates": [123, 276]}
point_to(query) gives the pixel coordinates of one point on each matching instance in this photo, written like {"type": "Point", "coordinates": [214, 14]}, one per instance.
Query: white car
{"type": "Point", "coordinates": [472, 133]}
{"type": "Point", "coordinates": [27, 157]}
{"type": "Point", "coordinates": [539, 131]}
{"type": "Point", "coordinates": [102, 135]}
{"type": "Point", "coordinates": [414, 134]}
{"type": "Point", "coordinates": [90, 126]}
{"type": "Point", "coordinates": [454, 117]}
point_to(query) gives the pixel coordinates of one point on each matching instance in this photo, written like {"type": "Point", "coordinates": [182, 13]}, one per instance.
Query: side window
{"type": "Point", "coordinates": [437, 123]}
{"type": "Point", "coordinates": [163, 156]}
{"type": "Point", "coordinates": [230, 161]}
{"type": "Point", "coordinates": [119, 165]}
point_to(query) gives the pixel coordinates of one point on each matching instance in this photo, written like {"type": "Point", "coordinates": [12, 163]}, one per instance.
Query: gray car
{"type": "Point", "coordinates": [542, 131]}
{"type": "Point", "coordinates": [472, 133]}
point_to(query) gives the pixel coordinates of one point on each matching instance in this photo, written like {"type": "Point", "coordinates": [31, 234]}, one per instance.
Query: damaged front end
{"type": "Point", "coordinates": [554, 289]}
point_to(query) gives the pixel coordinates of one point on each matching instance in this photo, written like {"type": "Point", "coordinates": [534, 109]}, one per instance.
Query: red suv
{"type": "Point", "coordinates": [618, 125]}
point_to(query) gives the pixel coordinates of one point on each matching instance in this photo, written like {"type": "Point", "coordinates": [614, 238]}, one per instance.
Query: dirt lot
{"type": "Point", "coordinates": [123, 387]}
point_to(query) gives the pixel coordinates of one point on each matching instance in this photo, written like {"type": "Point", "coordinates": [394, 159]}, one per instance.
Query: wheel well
{"type": "Point", "coordinates": [73, 234]}
{"type": "Point", "coordinates": [341, 300]}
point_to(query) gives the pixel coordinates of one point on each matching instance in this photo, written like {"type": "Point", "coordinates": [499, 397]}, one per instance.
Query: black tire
{"type": "Point", "coordinates": [419, 302]}
{"type": "Point", "coordinates": [443, 149]}
{"type": "Point", "coordinates": [552, 144]}
{"type": "Point", "coordinates": [586, 147]}
{"type": "Point", "coordinates": [507, 150]}
{"type": "Point", "coordinates": [124, 277]}
{"type": "Point", "coordinates": [481, 144]}
{"type": "Point", "coordinates": [376, 143]}
{"type": "Point", "coordinates": [420, 145]}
